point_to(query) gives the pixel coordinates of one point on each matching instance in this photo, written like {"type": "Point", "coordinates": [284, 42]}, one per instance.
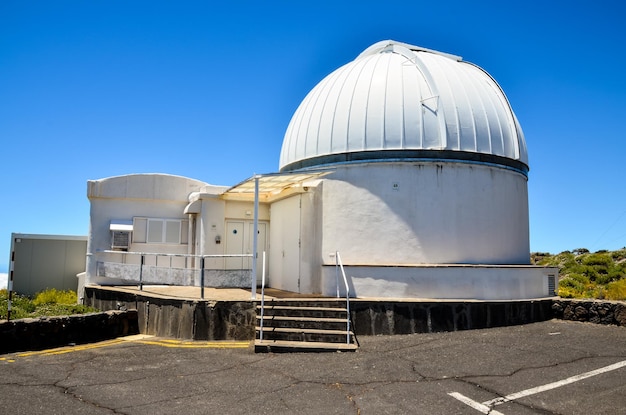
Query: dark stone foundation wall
{"type": "Point", "coordinates": [179, 318]}
{"type": "Point", "coordinates": [131, 313]}
{"type": "Point", "coordinates": [373, 318]}
{"type": "Point", "coordinates": [592, 311]}
{"type": "Point", "coordinates": [233, 320]}
{"type": "Point", "coordinates": [48, 332]}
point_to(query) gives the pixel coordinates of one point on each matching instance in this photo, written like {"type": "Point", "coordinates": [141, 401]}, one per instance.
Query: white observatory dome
{"type": "Point", "coordinates": [403, 102]}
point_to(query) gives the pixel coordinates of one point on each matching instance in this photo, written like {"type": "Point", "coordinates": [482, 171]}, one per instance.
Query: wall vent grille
{"type": "Point", "coordinates": [120, 240]}
{"type": "Point", "coordinates": [551, 285]}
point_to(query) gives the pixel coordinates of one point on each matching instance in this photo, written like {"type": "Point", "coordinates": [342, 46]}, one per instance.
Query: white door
{"type": "Point", "coordinates": [285, 243]}
{"type": "Point", "coordinates": [234, 244]}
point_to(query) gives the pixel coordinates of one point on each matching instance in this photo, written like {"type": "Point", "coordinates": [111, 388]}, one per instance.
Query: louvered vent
{"type": "Point", "coordinates": [120, 240]}
{"type": "Point", "coordinates": [551, 285]}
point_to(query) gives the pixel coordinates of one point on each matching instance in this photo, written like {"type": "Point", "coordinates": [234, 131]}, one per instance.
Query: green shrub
{"type": "Point", "coordinates": [619, 255]}
{"type": "Point", "coordinates": [583, 280]}
{"type": "Point", "coordinates": [54, 296]}
{"type": "Point", "coordinates": [590, 272]}
{"type": "Point", "coordinates": [46, 303]}
{"type": "Point", "coordinates": [598, 259]}
{"type": "Point", "coordinates": [595, 291]}
{"type": "Point", "coordinates": [617, 271]}
{"type": "Point", "coordinates": [21, 306]}
{"type": "Point", "coordinates": [616, 290]}
{"type": "Point", "coordinates": [568, 292]}
{"type": "Point", "coordinates": [573, 285]}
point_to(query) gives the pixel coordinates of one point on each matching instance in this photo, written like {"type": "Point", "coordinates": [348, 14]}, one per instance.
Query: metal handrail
{"type": "Point", "coordinates": [339, 266]}
{"type": "Point", "coordinates": [108, 251]}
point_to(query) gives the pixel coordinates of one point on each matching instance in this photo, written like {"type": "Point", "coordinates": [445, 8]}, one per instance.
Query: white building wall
{"type": "Point", "coordinates": [245, 210]}
{"type": "Point", "coordinates": [126, 197]}
{"type": "Point", "coordinates": [477, 282]}
{"type": "Point", "coordinates": [211, 225]}
{"type": "Point", "coordinates": [425, 213]}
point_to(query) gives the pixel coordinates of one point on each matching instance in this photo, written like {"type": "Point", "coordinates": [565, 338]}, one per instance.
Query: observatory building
{"type": "Point", "coordinates": [407, 162]}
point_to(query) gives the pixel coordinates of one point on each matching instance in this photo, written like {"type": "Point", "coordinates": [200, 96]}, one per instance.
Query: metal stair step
{"type": "Point", "coordinates": [298, 318]}
{"type": "Point", "coordinates": [278, 346]}
{"type": "Point", "coordinates": [304, 335]}
{"type": "Point", "coordinates": [311, 325]}
{"type": "Point", "coordinates": [301, 307]}
{"type": "Point", "coordinates": [327, 312]}
{"type": "Point", "coordinates": [303, 322]}
{"type": "Point", "coordinates": [302, 330]}
{"type": "Point", "coordinates": [307, 302]}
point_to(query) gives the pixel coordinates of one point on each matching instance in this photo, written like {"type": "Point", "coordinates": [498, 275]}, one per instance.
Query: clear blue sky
{"type": "Point", "coordinates": [92, 89]}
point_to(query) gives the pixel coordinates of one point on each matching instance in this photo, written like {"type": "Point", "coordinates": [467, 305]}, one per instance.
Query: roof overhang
{"type": "Point", "coordinates": [121, 225]}
{"type": "Point", "coordinates": [193, 207]}
{"type": "Point", "coordinates": [272, 186]}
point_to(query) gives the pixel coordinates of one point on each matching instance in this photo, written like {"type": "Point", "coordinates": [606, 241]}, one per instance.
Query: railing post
{"type": "Point", "coordinates": [202, 277]}
{"type": "Point", "coordinates": [170, 269]}
{"type": "Point", "coordinates": [345, 281]}
{"type": "Point", "coordinates": [337, 272]}
{"type": "Point", "coordinates": [262, 297]}
{"type": "Point", "coordinates": [141, 263]}
{"type": "Point", "coordinates": [255, 238]}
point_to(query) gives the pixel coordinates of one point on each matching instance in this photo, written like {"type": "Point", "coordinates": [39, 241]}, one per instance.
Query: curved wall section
{"type": "Point", "coordinates": [425, 213]}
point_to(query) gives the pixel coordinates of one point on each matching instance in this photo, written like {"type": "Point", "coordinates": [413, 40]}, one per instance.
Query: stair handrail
{"type": "Point", "coordinates": [339, 266]}
{"type": "Point", "coordinates": [262, 298]}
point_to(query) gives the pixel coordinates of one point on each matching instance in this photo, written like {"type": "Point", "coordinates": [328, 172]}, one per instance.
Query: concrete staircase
{"type": "Point", "coordinates": [304, 325]}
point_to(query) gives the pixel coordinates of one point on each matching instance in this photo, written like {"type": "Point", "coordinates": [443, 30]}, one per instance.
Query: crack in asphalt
{"type": "Point", "coordinates": [352, 396]}
{"type": "Point", "coordinates": [498, 394]}
{"type": "Point", "coordinates": [194, 394]}
{"type": "Point", "coordinates": [71, 390]}
{"type": "Point", "coordinates": [471, 380]}
{"type": "Point", "coordinates": [354, 392]}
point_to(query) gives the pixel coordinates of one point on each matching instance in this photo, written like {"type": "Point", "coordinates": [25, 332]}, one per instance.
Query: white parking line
{"type": "Point", "coordinates": [473, 404]}
{"type": "Point", "coordinates": [487, 406]}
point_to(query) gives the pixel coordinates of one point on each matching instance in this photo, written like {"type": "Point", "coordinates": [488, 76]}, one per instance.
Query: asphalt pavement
{"type": "Point", "coordinates": [553, 367]}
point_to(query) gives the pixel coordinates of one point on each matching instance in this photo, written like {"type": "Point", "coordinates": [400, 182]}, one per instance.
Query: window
{"type": "Point", "coordinates": [161, 231]}
{"type": "Point", "coordinates": [140, 226]}
{"type": "Point", "coordinates": [155, 231]}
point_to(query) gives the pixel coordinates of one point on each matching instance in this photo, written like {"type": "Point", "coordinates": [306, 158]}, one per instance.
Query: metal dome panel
{"type": "Point", "coordinates": [397, 97]}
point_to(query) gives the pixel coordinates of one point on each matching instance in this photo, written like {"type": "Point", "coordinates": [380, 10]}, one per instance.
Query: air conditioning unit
{"type": "Point", "coordinates": [120, 234]}
{"type": "Point", "coordinates": [120, 240]}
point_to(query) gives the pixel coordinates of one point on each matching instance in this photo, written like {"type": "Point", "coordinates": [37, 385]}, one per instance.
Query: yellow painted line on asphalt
{"type": "Point", "coordinates": [139, 339]}
{"type": "Point", "coordinates": [70, 349]}
{"type": "Point", "coordinates": [178, 344]}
